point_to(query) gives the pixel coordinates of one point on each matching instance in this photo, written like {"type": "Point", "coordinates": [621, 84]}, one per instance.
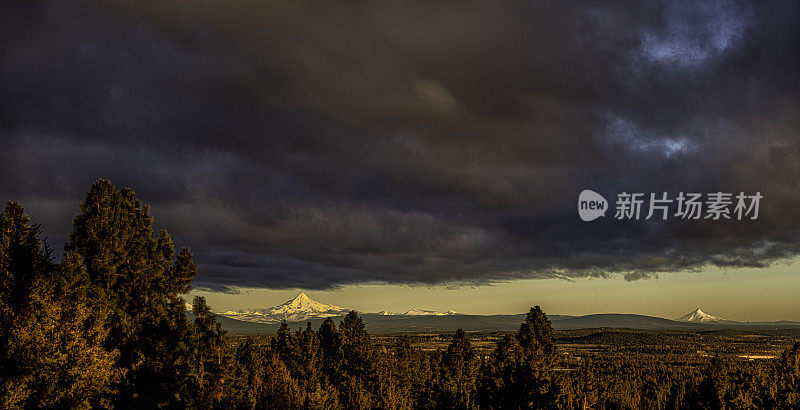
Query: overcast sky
{"type": "Point", "coordinates": [319, 145]}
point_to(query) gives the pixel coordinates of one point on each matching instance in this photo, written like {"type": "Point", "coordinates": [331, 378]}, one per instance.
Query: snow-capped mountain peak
{"type": "Point", "coordinates": [303, 304]}
{"type": "Point", "coordinates": [422, 312]}
{"type": "Point", "coordinates": [299, 308]}
{"type": "Point", "coordinates": [302, 308]}
{"type": "Point", "coordinates": [698, 316]}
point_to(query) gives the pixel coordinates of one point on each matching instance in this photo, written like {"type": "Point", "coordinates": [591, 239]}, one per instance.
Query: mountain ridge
{"type": "Point", "coordinates": [303, 309]}
{"type": "Point", "coordinates": [297, 309]}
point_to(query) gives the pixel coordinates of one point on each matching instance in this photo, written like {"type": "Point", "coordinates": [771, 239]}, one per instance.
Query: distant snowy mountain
{"type": "Point", "coordinates": [698, 316]}
{"type": "Point", "coordinates": [303, 308]}
{"type": "Point", "coordinates": [298, 309]}
{"type": "Point", "coordinates": [421, 312]}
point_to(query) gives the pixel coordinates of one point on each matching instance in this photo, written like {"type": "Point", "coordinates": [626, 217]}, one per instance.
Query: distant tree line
{"type": "Point", "coordinates": [106, 328]}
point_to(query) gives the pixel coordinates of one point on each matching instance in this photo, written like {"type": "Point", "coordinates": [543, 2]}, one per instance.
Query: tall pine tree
{"type": "Point", "coordinates": [132, 271]}
{"type": "Point", "coordinates": [51, 331]}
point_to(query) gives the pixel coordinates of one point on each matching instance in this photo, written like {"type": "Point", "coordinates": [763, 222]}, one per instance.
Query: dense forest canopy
{"type": "Point", "coordinates": [107, 327]}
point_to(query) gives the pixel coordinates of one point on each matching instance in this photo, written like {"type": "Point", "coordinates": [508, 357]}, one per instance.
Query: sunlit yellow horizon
{"type": "Point", "coordinates": [744, 294]}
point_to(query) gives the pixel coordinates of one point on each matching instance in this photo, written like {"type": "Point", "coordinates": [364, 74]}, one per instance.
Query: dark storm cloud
{"type": "Point", "coordinates": [316, 144]}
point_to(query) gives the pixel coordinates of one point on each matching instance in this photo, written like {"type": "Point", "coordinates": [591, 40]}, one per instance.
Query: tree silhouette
{"type": "Point", "coordinates": [357, 363]}
{"type": "Point", "coordinates": [459, 368]}
{"type": "Point", "coordinates": [51, 333]}
{"type": "Point", "coordinates": [131, 271]}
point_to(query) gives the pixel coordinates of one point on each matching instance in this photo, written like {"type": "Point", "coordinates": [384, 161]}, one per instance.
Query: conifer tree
{"type": "Point", "coordinates": [357, 363]}
{"type": "Point", "coordinates": [210, 360]}
{"type": "Point", "coordinates": [500, 385]}
{"type": "Point", "coordinates": [132, 271]}
{"type": "Point", "coordinates": [356, 345]}
{"type": "Point", "coordinates": [279, 390]}
{"type": "Point", "coordinates": [459, 367]}
{"type": "Point", "coordinates": [519, 373]}
{"type": "Point", "coordinates": [247, 376]}
{"type": "Point", "coordinates": [535, 337]}
{"type": "Point", "coordinates": [283, 344]}
{"type": "Point", "coordinates": [411, 376]}
{"type": "Point", "coordinates": [331, 346]}
{"type": "Point", "coordinates": [308, 370]}
{"type": "Point", "coordinates": [51, 334]}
